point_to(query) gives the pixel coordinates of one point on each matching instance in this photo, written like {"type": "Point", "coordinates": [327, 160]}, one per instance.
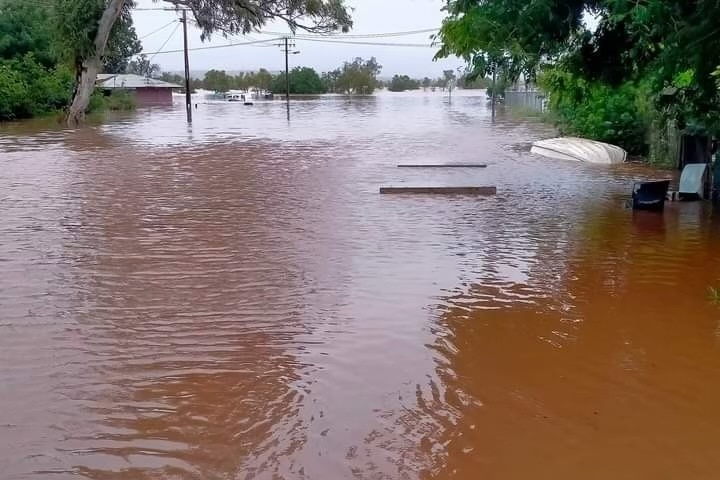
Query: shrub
{"type": "Point", "coordinates": [27, 88]}
{"type": "Point", "coordinates": [121, 101]}
{"type": "Point", "coordinates": [618, 115]}
{"type": "Point", "coordinates": [118, 100]}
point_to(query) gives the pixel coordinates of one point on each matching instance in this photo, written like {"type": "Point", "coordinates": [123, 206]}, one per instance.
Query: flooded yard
{"type": "Point", "coordinates": [235, 300]}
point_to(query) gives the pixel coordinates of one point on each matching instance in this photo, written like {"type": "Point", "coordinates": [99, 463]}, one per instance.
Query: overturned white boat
{"type": "Point", "coordinates": [580, 150]}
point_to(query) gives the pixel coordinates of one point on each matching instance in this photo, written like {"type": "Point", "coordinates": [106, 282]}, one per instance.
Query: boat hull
{"type": "Point", "coordinates": [580, 150]}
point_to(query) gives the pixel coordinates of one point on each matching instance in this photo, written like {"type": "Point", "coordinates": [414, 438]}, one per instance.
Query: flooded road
{"type": "Point", "coordinates": [234, 300]}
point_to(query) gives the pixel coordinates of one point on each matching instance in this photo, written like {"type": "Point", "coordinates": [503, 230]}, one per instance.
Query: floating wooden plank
{"type": "Point", "coordinates": [440, 190]}
{"type": "Point", "coordinates": [445, 165]}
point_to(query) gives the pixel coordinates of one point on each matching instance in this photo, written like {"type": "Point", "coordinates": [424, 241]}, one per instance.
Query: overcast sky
{"type": "Point", "coordinates": [370, 16]}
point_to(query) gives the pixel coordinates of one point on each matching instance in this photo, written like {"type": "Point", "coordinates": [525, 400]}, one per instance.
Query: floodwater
{"type": "Point", "coordinates": [234, 300]}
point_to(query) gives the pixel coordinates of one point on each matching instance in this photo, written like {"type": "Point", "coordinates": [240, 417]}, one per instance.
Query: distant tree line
{"type": "Point", "coordinates": [356, 77]}
{"type": "Point", "coordinates": [401, 83]}
{"type": "Point", "coordinates": [51, 51]}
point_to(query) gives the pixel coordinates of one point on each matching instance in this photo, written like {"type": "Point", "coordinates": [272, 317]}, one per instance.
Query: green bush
{"type": "Point", "coordinates": [98, 102]}
{"type": "Point", "coordinates": [121, 101]}
{"type": "Point", "coordinates": [618, 115]}
{"type": "Point", "coordinates": [13, 94]}
{"type": "Point", "coordinates": [303, 81]}
{"type": "Point", "coordinates": [28, 89]}
{"type": "Point", "coordinates": [117, 101]}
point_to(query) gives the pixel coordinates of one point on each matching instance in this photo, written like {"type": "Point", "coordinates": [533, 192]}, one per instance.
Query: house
{"type": "Point", "coordinates": [147, 91]}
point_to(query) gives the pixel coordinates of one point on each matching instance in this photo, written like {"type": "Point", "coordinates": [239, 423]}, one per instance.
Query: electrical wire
{"type": "Point", "coordinates": [377, 44]}
{"type": "Point", "coordinates": [213, 47]}
{"type": "Point", "coordinates": [166, 42]}
{"type": "Point", "coordinates": [352, 36]}
{"type": "Point", "coordinates": [157, 31]}
{"type": "Point", "coordinates": [259, 42]}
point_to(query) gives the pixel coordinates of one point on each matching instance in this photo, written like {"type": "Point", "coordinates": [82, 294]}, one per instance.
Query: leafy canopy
{"type": "Point", "coordinates": [666, 49]}
{"type": "Point", "coordinates": [244, 16]}
{"type": "Point", "coordinates": [303, 81]}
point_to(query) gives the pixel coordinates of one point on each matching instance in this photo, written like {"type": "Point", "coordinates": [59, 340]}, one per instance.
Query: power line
{"type": "Point", "coordinates": [319, 40]}
{"type": "Point", "coordinates": [352, 36]}
{"type": "Point", "coordinates": [212, 47]}
{"type": "Point", "coordinates": [377, 44]}
{"type": "Point", "coordinates": [157, 31]}
{"type": "Point", "coordinates": [166, 42]}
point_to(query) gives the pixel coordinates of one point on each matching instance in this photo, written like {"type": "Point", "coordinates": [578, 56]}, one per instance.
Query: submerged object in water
{"type": "Point", "coordinates": [580, 150]}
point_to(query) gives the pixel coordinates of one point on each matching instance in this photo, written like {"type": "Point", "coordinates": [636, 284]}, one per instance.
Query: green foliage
{"type": "Point", "coordinates": [596, 110]}
{"type": "Point", "coordinates": [401, 83]}
{"type": "Point", "coordinates": [303, 81]}
{"type": "Point", "coordinates": [122, 46]}
{"type": "Point", "coordinates": [262, 80]}
{"type": "Point", "coordinates": [85, 25]}
{"type": "Point", "coordinates": [654, 59]}
{"type": "Point", "coordinates": [475, 83]}
{"type": "Point", "coordinates": [36, 64]}
{"type": "Point", "coordinates": [118, 100]}
{"type": "Point", "coordinates": [13, 92]}
{"type": "Point", "coordinates": [142, 66]}
{"type": "Point", "coordinates": [98, 102]}
{"type": "Point", "coordinates": [330, 80]}
{"type": "Point", "coordinates": [357, 77]}
{"type": "Point", "coordinates": [76, 22]}
{"type": "Point", "coordinates": [232, 17]}
{"type": "Point", "coordinates": [23, 30]}
{"type": "Point", "coordinates": [172, 78]}
{"type": "Point", "coordinates": [28, 88]}
{"type": "Point", "coordinates": [498, 89]}
{"type": "Point", "coordinates": [217, 81]}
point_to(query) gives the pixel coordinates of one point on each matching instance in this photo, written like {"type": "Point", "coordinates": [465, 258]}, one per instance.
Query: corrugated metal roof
{"type": "Point", "coordinates": [110, 81]}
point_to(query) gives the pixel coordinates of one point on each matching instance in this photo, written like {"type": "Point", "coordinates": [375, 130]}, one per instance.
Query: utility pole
{"type": "Point", "coordinates": [188, 96]}
{"type": "Point", "coordinates": [287, 77]}
{"type": "Point", "coordinates": [494, 88]}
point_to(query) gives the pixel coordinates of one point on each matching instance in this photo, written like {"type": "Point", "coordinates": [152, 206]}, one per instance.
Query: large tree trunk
{"type": "Point", "coordinates": [85, 88]}
{"type": "Point", "coordinates": [91, 66]}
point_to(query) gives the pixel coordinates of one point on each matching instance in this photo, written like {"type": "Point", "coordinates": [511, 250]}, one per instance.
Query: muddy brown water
{"type": "Point", "coordinates": [234, 300]}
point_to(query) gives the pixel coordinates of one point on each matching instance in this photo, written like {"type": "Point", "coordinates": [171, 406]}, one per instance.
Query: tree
{"type": "Point", "coordinates": [143, 67]}
{"type": "Point", "coordinates": [401, 83]}
{"type": "Point", "coordinates": [653, 60]}
{"type": "Point", "coordinates": [359, 76]}
{"type": "Point", "coordinates": [240, 81]}
{"type": "Point", "coordinates": [263, 79]}
{"type": "Point", "coordinates": [86, 26]}
{"type": "Point", "coordinates": [33, 81]}
{"type": "Point", "coordinates": [426, 83]}
{"type": "Point", "coordinates": [217, 81]}
{"type": "Point", "coordinates": [330, 80]}
{"type": "Point", "coordinates": [476, 83]}
{"type": "Point", "coordinates": [449, 76]}
{"type": "Point", "coordinates": [172, 78]}
{"type": "Point", "coordinates": [303, 81]}
{"type": "Point", "coordinates": [124, 44]}
{"type": "Point", "coordinates": [23, 30]}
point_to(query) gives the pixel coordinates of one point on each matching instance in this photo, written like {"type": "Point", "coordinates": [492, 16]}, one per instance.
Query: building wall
{"type": "Point", "coordinates": [149, 96]}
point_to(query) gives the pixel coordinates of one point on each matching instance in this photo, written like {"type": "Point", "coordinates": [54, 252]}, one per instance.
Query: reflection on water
{"type": "Point", "coordinates": [234, 300]}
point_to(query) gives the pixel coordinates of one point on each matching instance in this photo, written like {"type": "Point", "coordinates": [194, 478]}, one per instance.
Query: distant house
{"type": "Point", "coordinates": [147, 91]}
